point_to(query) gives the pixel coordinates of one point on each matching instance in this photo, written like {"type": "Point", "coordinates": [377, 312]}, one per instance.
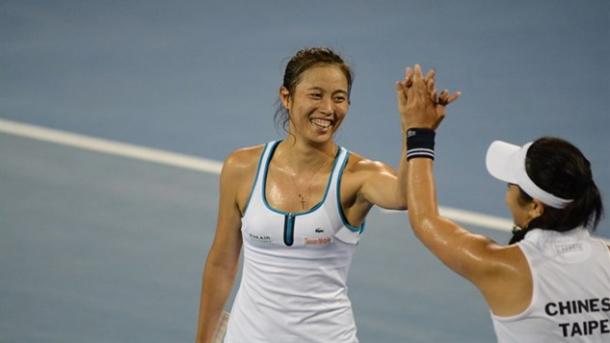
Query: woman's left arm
{"type": "Point", "coordinates": [381, 184]}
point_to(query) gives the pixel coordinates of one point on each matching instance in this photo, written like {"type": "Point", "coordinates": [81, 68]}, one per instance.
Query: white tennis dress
{"type": "Point", "coordinates": [571, 290]}
{"type": "Point", "coordinates": [293, 286]}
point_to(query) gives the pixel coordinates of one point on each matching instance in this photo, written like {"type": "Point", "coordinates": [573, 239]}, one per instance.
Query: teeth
{"type": "Point", "coordinates": [324, 123]}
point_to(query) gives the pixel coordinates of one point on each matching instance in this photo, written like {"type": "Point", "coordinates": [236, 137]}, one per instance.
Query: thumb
{"type": "Point", "coordinates": [401, 92]}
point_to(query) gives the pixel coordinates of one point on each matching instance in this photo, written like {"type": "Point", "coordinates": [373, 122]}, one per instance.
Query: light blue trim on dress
{"type": "Point", "coordinates": [258, 168]}
{"type": "Point", "coordinates": [352, 228]}
{"type": "Point", "coordinates": [318, 205]}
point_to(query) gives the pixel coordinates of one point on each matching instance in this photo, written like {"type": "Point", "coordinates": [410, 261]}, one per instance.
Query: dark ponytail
{"type": "Point", "coordinates": [559, 168]}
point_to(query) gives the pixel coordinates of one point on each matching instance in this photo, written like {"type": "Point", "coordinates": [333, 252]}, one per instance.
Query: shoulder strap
{"type": "Point", "coordinates": [261, 171]}
{"type": "Point", "coordinates": [339, 164]}
{"type": "Point", "coordinates": [348, 233]}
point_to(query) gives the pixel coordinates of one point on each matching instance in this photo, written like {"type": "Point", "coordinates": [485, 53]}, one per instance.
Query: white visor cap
{"type": "Point", "coordinates": [506, 162]}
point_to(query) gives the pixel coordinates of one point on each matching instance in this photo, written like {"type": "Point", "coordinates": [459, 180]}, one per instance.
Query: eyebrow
{"type": "Point", "coordinates": [322, 90]}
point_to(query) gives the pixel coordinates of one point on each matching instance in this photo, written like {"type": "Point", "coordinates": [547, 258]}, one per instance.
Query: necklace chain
{"type": "Point", "coordinates": [303, 195]}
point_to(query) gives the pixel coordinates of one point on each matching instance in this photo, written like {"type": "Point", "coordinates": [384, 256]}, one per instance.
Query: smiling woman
{"type": "Point", "coordinates": [300, 62]}
{"type": "Point", "coordinates": [322, 99]}
{"type": "Point", "coordinates": [297, 206]}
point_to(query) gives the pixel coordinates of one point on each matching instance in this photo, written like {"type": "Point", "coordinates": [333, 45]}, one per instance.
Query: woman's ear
{"type": "Point", "coordinates": [536, 209]}
{"type": "Point", "coordinates": [285, 97]}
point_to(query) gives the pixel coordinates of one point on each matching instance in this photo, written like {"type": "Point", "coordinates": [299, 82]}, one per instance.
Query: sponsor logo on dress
{"type": "Point", "coordinates": [260, 238]}
{"type": "Point", "coordinates": [317, 241]}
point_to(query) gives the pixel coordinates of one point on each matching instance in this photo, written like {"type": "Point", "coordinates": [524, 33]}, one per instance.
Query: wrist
{"type": "Point", "coordinates": [409, 126]}
{"type": "Point", "coordinates": [420, 143]}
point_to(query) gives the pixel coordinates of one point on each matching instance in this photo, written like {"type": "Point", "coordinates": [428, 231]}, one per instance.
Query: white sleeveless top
{"type": "Point", "coordinates": [571, 290]}
{"type": "Point", "coordinates": [293, 286]}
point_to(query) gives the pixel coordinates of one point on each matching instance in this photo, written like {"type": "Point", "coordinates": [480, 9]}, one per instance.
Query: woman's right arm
{"type": "Point", "coordinates": [501, 273]}
{"type": "Point", "coordinates": [223, 257]}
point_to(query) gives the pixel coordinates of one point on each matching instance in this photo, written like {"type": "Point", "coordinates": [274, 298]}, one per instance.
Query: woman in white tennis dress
{"type": "Point", "coordinates": [297, 206]}
{"type": "Point", "coordinates": [553, 283]}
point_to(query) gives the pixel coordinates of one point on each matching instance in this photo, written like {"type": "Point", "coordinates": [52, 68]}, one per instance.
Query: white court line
{"type": "Point", "coordinates": [110, 147]}
{"type": "Point", "coordinates": [470, 218]}
{"type": "Point", "coordinates": [191, 162]}
{"type": "Point", "coordinates": [195, 163]}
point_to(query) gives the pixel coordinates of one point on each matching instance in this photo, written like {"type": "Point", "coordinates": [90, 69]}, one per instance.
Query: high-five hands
{"type": "Point", "coordinates": [418, 102]}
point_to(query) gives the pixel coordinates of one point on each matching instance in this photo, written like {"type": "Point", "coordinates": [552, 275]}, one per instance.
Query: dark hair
{"type": "Point", "coordinates": [299, 63]}
{"type": "Point", "coordinates": [559, 168]}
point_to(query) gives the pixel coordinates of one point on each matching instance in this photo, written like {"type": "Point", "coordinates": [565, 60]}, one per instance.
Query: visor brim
{"type": "Point", "coordinates": [502, 161]}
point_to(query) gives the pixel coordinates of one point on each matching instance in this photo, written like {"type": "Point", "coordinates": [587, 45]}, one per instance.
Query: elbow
{"type": "Point", "coordinates": [419, 216]}
{"type": "Point", "coordinates": [220, 261]}
{"type": "Point", "coordinates": [221, 266]}
{"type": "Point", "coordinates": [422, 222]}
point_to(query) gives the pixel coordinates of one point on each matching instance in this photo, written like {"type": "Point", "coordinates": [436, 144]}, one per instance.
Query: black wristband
{"type": "Point", "coordinates": [420, 143]}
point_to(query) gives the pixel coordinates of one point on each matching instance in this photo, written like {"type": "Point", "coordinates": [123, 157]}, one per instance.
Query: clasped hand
{"type": "Point", "coordinates": [418, 102]}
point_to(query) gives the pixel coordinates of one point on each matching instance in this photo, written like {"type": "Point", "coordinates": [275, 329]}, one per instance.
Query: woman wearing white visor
{"type": "Point", "coordinates": [554, 284]}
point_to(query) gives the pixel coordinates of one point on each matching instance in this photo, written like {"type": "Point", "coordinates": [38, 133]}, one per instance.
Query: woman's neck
{"type": "Point", "coordinates": [304, 155]}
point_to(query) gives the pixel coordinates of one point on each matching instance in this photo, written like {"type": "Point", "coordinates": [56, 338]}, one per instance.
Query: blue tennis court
{"type": "Point", "coordinates": [100, 246]}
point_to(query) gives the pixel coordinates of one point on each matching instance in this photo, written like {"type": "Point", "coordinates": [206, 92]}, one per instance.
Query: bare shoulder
{"type": "Point", "coordinates": [501, 255]}
{"type": "Point", "coordinates": [486, 258]}
{"type": "Point", "coordinates": [507, 264]}
{"type": "Point", "coordinates": [238, 173]}
{"type": "Point", "coordinates": [360, 164]}
{"type": "Point", "coordinates": [374, 183]}
{"type": "Point", "coordinates": [507, 253]}
{"type": "Point", "coordinates": [242, 160]}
